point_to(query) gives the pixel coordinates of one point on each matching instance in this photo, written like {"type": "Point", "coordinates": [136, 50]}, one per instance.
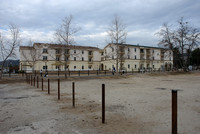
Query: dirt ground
{"type": "Point", "coordinates": [136, 104]}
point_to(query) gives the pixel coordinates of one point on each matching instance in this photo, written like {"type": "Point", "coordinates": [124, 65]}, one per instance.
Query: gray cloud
{"type": "Point", "coordinates": [39, 18]}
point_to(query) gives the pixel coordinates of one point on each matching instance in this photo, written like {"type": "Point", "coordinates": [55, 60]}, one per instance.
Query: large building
{"type": "Point", "coordinates": [52, 57]}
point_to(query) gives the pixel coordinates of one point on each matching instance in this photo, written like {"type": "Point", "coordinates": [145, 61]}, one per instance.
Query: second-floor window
{"type": "Point", "coordinates": [82, 51]}
{"type": "Point", "coordinates": [128, 56]}
{"type": "Point", "coordinates": [57, 51]}
{"type": "Point", "coordinates": [44, 50]}
{"type": "Point", "coordinates": [128, 65]}
{"type": "Point", "coordinates": [74, 58]}
{"type": "Point", "coordinates": [90, 59]}
{"type": "Point", "coordinates": [135, 49]}
{"type": "Point", "coordinates": [44, 57]}
{"type": "Point", "coordinates": [74, 51]}
{"type": "Point", "coordinates": [82, 58]}
{"type": "Point", "coordinates": [57, 58]}
{"type": "Point", "coordinates": [135, 57]}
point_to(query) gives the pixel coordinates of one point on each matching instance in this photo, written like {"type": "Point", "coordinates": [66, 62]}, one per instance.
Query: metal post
{"type": "Point", "coordinates": [37, 82]}
{"type": "Point", "coordinates": [58, 89]}
{"type": "Point", "coordinates": [31, 80]}
{"type": "Point", "coordinates": [103, 103]}
{"type": "Point", "coordinates": [174, 111]}
{"type": "Point", "coordinates": [42, 84]}
{"type": "Point", "coordinates": [48, 86]}
{"type": "Point", "coordinates": [73, 94]}
{"type": "Point", "coordinates": [34, 81]}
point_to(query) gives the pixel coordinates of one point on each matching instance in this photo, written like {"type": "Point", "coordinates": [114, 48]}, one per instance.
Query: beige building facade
{"type": "Point", "coordinates": [53, 57]}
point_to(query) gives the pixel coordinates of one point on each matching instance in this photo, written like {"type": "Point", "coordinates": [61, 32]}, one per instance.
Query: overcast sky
{"type": "Point", "coordinates": [38, 19]}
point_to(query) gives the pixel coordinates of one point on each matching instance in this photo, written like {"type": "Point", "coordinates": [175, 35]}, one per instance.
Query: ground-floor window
{"type": "Point", "coordinates": [57, 67]}
{"type": "Point", "coordinates": [90, 67]}
{"type": "Point", "coordinates": [135, 66]}
{"type": "Point", "coordinates": [82, 67]}
{"type": "Point", "coordinates": [128, 65]}
{"type": "Point", "coordinates": [74, 67]}
{"type": "Point", "coordinates": [45, 67]}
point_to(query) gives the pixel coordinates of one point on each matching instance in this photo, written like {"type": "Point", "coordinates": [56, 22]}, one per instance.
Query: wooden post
{"type": "Point", "coordinates": [48, 86]}
{"type": "Point", "coordinates": [103, 103]}
{"type": "Point", "coordinates": [174, 111]}
{"type": "Point", "coordinates": [42, 84]}
{"type": "Point", "coordinates": [73, 94]}
{"type": "Point", "coordinates": [58, 89]}
{"type": "Point", "coordinates": [34, 81]}
{"type": "Point", "coordinates": [37, 82]}
{"type": "Point", "coordinates": [31, 80]}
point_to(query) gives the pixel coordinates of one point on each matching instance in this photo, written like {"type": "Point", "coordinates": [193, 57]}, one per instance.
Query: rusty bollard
{"type": "Point", "coordinates": [174, 111]}
{"type": "Point", "coordinates": [103, 103]}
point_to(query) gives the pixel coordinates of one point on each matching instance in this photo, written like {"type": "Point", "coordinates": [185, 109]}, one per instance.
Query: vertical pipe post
{"type": "Point", "coordinates": [73, 94]}
{"type": "Point", "coordinates": [37, 82]}
{"type": "Point", "coordinates": [48, 86]}
{"type": "Point", "coordinates": [31, 80]}
{"type": "Point", "coordinates": [58, 89]}
{"type": "Point", "coordinates": [34, 81]}
{"type": "Point", "coordinates": [174, 111]}
{"type": "Point", "coordinates": [103, 103]}
{"type": "Point", "coordinates": [42, 84]}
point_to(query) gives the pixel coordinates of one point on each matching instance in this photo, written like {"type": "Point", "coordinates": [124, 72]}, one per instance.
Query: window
{"type": "Point", "coordinates": [90, 52]}
{"type": "Point", "coordinates": [82, 58]}
{"type": "Point", "coordinates": [128, 65]}
{"type": "Point", "coordinates": [57, 58]}
{"type": "Point", "coordinates": [135, 66]}
{"type": "Point", "coordinates": [66, 51]}
{"type": "Point", "coordinates": [90, 67]}
{"type": "Point", "coordinates": [153, 66]}
{"type": "Point", "coordinates": [128, 56]}
{"type": "Point", "coordinates": [57, 67]}
{"type": "Point", "coordinates": [153, 57]}
{"type": "Point", "coordinates": [128, 49]}
{"type": "Point", "coordinates": [66, 58]}
{"type": "Point", "coordinates": [135, 57]}
{"type": "Point", "coordinates": [82, 67]}
{"type": "Point", "coordinates": [74, 67]}
{"type": "Point", "coordinates": [74, 51]}
{"type": "Point", "coordinates": [44, 50]}
{"type": "Point", "coordinates": [135, 49]}
{"type": "Point", "coordinates": [44, 57]}
{"type": "Point", "coordinates": [102, 53]}
{"type": "Point", "coordinates": [141, 50]}
{"type": "Point", "coordinates": [45, 67]}
{"type": "Point", "coordinates": [82, 51]}
{"type": "Point", "coordinates": [90, 59]}
{"type": "Point", "coordinates": [74, 58]}
{"type": "Point", "coordinates": [112, 57]}
{"type": "Point", "coordinates": [57, 51]}
{"type": "Point", "coordinates": [112, 49]}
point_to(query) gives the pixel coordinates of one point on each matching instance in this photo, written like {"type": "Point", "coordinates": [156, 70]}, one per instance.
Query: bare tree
{"type": "Point", "coordinates": [65, 35]}
{"type": "Point", "coordinates": [66, 31]}
{"type": "Point", "coordinates": [181, 41]}
{"type": "Point", "coordinates": [9, 45]}
{"type": "Point", "coordinates": [117, 33]}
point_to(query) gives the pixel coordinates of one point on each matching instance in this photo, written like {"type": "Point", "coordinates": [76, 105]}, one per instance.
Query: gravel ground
{"type": "Point", "coordinates": [135, 104]}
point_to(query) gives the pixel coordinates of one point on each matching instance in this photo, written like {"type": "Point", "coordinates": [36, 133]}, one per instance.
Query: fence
{"type": "Point", "coordinates": [80, 73]}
